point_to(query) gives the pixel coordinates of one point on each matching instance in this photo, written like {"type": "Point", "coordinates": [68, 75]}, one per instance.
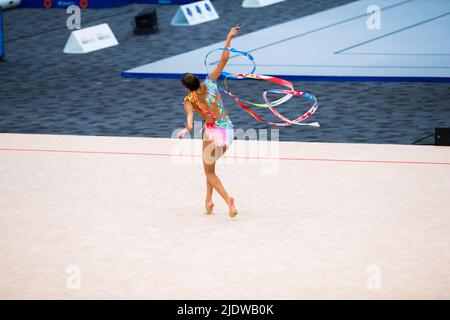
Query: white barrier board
{"type": "Point", "coordinates": [195, 13]}
{"type": "Point", "coordinates": [259, 3]}
{"type": "Point", "coordinates": [7, 4]}
{"type": "Point", "coordinates": [90, 39]}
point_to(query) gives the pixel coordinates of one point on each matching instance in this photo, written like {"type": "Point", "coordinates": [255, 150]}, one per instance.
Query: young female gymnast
{"type": "Point", "coordinates": [217, 133]}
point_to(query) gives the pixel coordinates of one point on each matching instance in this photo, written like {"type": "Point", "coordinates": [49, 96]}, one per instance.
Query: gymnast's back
{"type": "Point", "coordinates": [208, 103]}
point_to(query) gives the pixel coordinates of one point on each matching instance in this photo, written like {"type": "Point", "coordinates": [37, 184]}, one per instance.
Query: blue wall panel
{"type": "Point", "coordinates": [2, 50]}
{"type": "Point", "coordinates": [95, 4]}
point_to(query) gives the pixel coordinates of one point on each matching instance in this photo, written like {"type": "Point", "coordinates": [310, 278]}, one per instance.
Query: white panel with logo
{"type": "Point", "coordinates": [195, 13]}
{"type": "Point", "coordinates": [90, 39]}
{"type": "Point", "coordinates": [259, 3]}
{"type": "Point", "coordinates": [7, 4]}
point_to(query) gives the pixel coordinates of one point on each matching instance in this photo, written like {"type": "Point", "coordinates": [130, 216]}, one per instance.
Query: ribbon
{"type": "Point", "coordinates": [288, 93]}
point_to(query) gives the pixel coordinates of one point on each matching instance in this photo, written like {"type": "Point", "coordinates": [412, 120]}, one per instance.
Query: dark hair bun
{"type": "Point", "coordinates": [190, 81]}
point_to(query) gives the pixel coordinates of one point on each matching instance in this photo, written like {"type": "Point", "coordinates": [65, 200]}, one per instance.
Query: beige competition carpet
{"type": "Point", "coordinates": [86, 217]}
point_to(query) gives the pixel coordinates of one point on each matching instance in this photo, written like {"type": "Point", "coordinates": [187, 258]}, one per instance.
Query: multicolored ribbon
{"type": "Point", "coordinates": [288, 93]}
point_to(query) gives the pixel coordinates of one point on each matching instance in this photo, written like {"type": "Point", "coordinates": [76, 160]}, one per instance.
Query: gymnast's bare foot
{"type": "Point", "coordinates": [209, 206]}
{"type": "Point", "coordinates": [232, 211]}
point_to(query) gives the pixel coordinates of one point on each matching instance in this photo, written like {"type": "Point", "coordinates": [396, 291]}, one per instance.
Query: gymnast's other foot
{"type": "Point", "coordinates": [209, 206]}
{"type": "Point", "coordinates": [232, 211]}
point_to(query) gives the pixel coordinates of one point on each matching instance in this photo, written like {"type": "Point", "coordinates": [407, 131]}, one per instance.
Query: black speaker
{"type": "Point", "coordinates": [146, 22]}
{"type": "Point", "coordinates": [442, 136]}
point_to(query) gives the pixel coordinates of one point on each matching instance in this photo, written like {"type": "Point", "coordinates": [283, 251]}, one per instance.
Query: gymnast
{"type": "Point", "coordinates": [217, 133]}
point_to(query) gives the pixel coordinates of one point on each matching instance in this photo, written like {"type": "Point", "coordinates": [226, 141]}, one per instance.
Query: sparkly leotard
{"type": "Point", "coordinates": [208, 103]}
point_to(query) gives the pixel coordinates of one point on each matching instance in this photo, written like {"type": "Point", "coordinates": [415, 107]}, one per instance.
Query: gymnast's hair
{"type": "Point", "coordinates": [190, 81]}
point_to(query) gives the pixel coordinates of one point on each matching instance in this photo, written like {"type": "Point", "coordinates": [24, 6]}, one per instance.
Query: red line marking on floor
{"type": "Point", "coordinates": [236, 157]}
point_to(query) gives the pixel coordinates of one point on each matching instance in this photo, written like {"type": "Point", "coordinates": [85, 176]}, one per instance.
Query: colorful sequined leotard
{"type": "Point", "coordinates": [208, 103]}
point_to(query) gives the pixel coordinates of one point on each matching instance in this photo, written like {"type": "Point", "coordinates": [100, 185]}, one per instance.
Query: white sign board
{"type": "Point", "coordinates": [90, 39]}
{"type": "Point", "coordinates": [195, 13]}
{"type": "Point", "coordinates": [259, 3]}
{"type": "Point", "coordinates": [6, 4]}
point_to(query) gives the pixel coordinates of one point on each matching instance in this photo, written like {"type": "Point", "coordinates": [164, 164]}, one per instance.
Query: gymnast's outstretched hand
{"type": "Point", "coordinates": [225, 54]}
{"type": "Point", "coordinates": [233, 32]}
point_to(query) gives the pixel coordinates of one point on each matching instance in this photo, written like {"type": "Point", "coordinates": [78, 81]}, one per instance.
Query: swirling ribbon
{"type": "Point", "coordinates": [288, 93]}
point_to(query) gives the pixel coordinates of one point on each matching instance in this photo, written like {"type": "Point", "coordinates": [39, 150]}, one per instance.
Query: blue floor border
{"type": "Point", "coordinates": [303, 78]}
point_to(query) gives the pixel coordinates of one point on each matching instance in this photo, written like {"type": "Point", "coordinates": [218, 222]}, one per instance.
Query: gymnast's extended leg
{"type": "Point", "coordinates": [210, 155]}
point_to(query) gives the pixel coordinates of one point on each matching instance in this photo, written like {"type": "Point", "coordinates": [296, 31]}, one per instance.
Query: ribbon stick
{"type": "Point", "coordinates": [288, 94]}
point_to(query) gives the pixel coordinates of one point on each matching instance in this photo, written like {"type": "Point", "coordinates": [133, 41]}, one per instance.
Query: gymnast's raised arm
{"type": "Point", "coordinates": [225, 54]}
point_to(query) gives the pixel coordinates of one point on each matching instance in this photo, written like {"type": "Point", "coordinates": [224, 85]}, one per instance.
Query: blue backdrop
{"type": "Point", "coordinates": [2, 51]}
{"type": "Point", "coordinates": [96, 3]}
